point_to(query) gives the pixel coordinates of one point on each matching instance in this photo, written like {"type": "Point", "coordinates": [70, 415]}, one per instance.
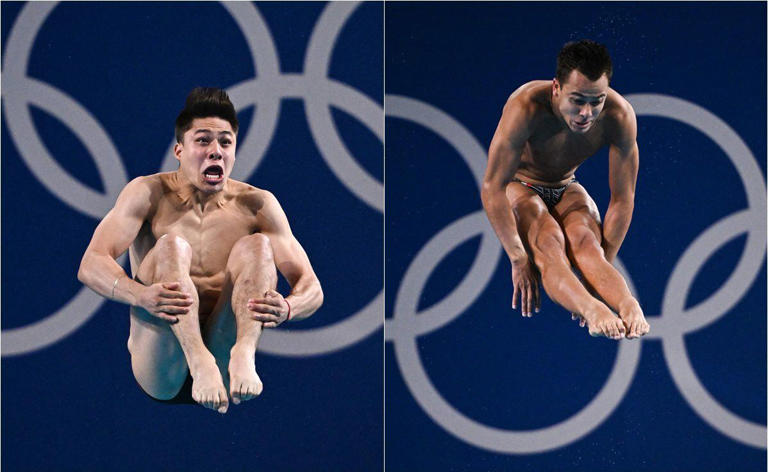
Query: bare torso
{"type": "Point", "coordinates": [211, 229]}
{"type": "Point", "coordinates": [552, 153]}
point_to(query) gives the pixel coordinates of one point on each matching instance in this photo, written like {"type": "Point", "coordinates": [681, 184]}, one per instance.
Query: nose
{"type": "Point", "coordinates": [214, 153]}
{"type": "Point", "coordinates": [585, 110]}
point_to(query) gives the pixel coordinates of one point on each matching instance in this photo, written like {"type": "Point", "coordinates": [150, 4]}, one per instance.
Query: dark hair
{"type": "Point", "coordinates": [203, 102]}
{"type": "Point", "coordinates": [588, 57]}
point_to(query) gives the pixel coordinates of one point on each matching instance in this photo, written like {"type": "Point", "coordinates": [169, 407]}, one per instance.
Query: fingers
{"type": "Point", "coordinates": [538, 296]}
{"type": "Point", "coordinates": [270, 303]}
{"type": "Point", "coordinates": [530, 301]}
{"type": "Point", "coordinates": [525, 293]}
{"type": "Point", "coordinates": [515, 295]}
{"type": "Point", "coordinates": [173, 294]}
{"type": "Point", "coordinates": [263, 308]}
{"type": "Point", "coordinates": [174, 310]}
{"type": "Point", "coordinates": [166, 317]}
{"type": "Point", "coordinates": [173, 307]}
{"type": "Point", "coordinates": [267, 314]}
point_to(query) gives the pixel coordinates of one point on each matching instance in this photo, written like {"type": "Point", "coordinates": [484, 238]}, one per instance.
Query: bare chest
{"type": "Point", "coordinates": [211, 233]}
{"type": "Point", "coordinates": [555, 154]}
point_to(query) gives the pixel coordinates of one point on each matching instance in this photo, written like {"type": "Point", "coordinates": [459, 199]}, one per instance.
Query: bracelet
{"type": "Point", "coordinates": [115, 285]}
{"type": "Point", "coordinates": [289, 309]}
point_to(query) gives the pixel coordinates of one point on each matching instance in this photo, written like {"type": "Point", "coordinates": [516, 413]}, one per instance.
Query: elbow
{"type": "Point", "coordinates": [320, 296]}
{"type": "Point", "coordinates": [317, 299]}
{"type": "Point", "coordinates": [488, 191]}
{"type": "Point", "coordinates": [624, 206]}
{"type": "Point", "coordinates": [82, 272]}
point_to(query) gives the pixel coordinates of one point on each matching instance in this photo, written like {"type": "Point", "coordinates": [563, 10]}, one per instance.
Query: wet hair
{"type": "Point", "coordinates": [586, 56]}
{"type": "Point", "coordinates": [203, 102]}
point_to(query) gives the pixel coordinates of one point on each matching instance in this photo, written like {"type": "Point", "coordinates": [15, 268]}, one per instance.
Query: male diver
{"type": "Point", "coordinates": [544, 218]}
{"type": "Point", "coordinates": [203, 252]}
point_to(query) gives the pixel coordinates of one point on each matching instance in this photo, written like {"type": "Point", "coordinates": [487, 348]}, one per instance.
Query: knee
{"type": "Point", "coordinates": [171, 243]}
{"type": "Point", "coordinates": [255, 246]}
{"type": "Point", "coordinates": [548, 246]}
{"type": "Point", "coordinates": [585, 246]}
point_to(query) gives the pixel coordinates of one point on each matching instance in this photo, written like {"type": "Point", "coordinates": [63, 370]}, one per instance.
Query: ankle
{"type": "Point", "coordinates": [201, 362]}
{"type": "Point", "coordinates": [628, 304]}
{"type": "Point", "coordinates": [242, 349]}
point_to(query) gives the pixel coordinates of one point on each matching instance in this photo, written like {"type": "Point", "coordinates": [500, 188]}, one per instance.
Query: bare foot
{"type": "Point", "coordinates": [244, 382]}
{"type": "Point", "coordinates": [634, 321]}
{"type": "Point", "coordinates": [602, 322]}
{"type": "Point", "coordinates": [208, 388]}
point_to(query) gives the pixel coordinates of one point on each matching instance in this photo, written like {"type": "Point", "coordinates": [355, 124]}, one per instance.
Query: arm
{"type": "Point", "coordinates": [623, 166]}
{"type": "Point", "coordinates": [306, 294]}
{"type": "Point", "coordinates": [503, 160]}
{"type": "Point", "coordinates": [99, 269]}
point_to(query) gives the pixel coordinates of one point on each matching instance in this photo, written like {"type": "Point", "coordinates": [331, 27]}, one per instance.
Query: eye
{"type": "Point", "coordinates": [202, 140]}
{"type": "Point", "coordinates": [225, 142]}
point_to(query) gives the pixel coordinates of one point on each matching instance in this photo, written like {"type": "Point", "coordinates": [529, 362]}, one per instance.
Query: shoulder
{"type": "Point", "coordinates": [621, 122]}
{"type": "Point", "coordinates": [142, 191]}
{"type": "Point", "coordinates": [263, 205]}
{"type": "Point", "coordinates": [254, 198]}
{"type": "Point", "coordinates": [526, 106]}
{"type": "Point", "coordinates": [530, 98]}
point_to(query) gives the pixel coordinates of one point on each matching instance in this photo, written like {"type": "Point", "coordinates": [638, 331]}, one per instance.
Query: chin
{"type": "Point", "coordinates": [206, 188]}
{"type": "Point", "coordinates": [579, 130]}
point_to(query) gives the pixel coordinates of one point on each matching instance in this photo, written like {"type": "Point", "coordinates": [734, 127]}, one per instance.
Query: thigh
{"type": "Point", "coordinates": [156, 356]}
{"type": "Point", "coordinates": [538, 230]}
{"type": "Point", "coordinates": [579, 217]}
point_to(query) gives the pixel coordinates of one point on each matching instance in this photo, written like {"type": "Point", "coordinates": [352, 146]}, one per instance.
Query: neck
{"type": "Point", "coordinates": [556, 110]}
{"type": "Point", "coordinates": [192, 196]}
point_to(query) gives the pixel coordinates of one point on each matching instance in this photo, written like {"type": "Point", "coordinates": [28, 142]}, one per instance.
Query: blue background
{"type": "Point", "coordinates": [509, 372]}
{"type": "Point", "coordinates": [75, 405]}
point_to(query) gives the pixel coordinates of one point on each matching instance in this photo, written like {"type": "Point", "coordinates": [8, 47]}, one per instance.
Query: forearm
{"type": "Point", "coordinates": [502, 218]}
{"type": "Point", "coordinates": [305, 298]}
{"type": "Point", "coordinates": [617, 220]}
{"type": "Point", "coordinates": [99, 272]}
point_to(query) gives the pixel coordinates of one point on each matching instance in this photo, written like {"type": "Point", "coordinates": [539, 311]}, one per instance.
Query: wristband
{"type": "Point", "coordinates": [115, 285]}
{"type": "Point", "coordinates": [289, 309]}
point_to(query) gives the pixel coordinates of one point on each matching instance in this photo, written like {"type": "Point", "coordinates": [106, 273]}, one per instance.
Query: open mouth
{"type": "Point", "coordinates": [213, 174]}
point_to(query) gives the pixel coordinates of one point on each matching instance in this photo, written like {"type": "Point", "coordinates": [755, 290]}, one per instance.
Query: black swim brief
{"type": "Point", "coordinates": [550, 195]}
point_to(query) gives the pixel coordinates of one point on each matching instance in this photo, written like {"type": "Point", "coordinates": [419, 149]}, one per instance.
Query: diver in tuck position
{"type": "Point", "coordinates": [203, 251]}
{"type": "Point", "coordinates": [544, 218]}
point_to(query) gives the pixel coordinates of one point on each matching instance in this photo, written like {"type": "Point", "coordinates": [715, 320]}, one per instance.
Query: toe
{"type": "Point", "coordinates": [235, 392]}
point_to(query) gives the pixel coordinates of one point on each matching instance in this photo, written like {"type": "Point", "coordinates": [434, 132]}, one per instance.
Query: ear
{"type": "Point", "coordinates": [555, 87]}
{"type": "Point", "coordinates": [177, 148]}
